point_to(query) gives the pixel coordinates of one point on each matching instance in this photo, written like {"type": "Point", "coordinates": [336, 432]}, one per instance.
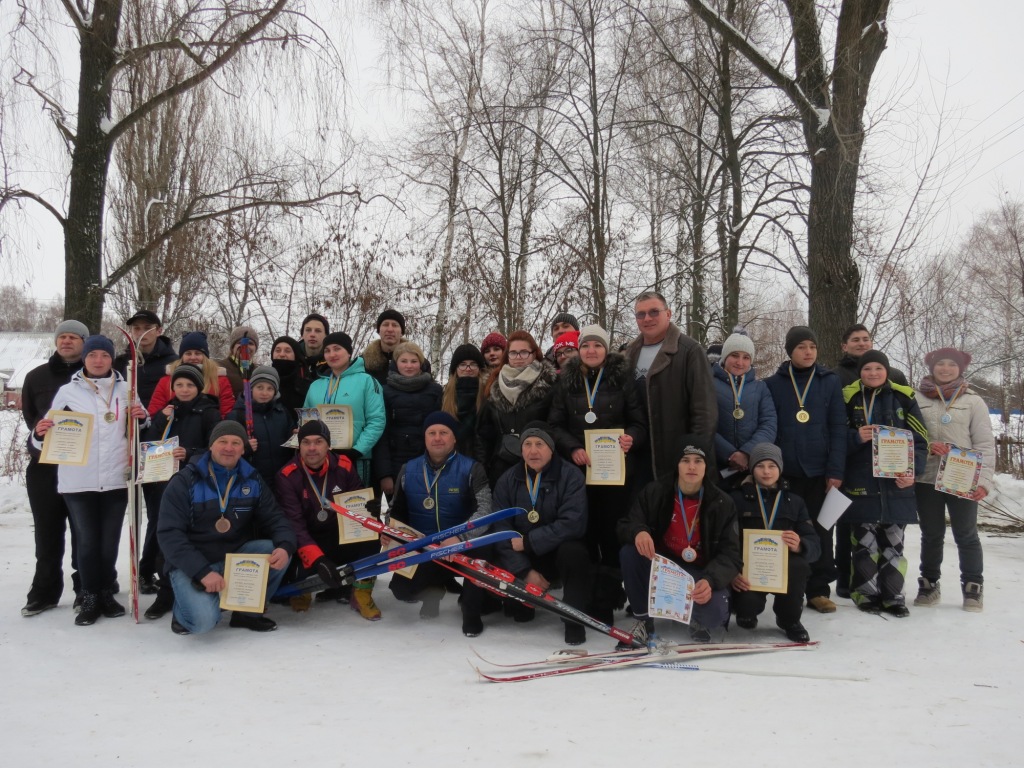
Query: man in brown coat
{"type": "Point", "coordinates": [673, 375]}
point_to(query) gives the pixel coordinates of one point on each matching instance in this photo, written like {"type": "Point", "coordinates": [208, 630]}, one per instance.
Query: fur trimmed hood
{"type": "Point", "coordinates": [374, 359]}
{"type": "Point", "coordinates": [536, 392]}
{"type": "Point", "coordinates": [616, 373]}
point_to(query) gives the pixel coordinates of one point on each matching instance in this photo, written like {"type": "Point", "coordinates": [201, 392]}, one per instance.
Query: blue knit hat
{"type": "Point", "coordinates": [194, 340]}
{"type": "Point", "coordinates": [100, 343]}
{"type": "Point", "coordinates": [443, 418]}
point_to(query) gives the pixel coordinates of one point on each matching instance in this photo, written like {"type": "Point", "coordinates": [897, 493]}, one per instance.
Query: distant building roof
{"type": "Point", "coordinates": [19, 349]}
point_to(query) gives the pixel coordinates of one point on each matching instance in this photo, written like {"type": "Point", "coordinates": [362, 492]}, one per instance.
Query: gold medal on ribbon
{"type": "Point", "coordinates": [803, 416]}
{"type": "Point", "coordinates": [109, 417]}
{"type": "Point", "coordinates": [533, 516]}
{"type": "Point", "coordinates": [737, 414]}
{"type": "Point", "coordinates": [428, 503]}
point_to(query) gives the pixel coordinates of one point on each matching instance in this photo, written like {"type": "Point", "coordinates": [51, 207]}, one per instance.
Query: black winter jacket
{"type": "Point", "coordinates": [408, 400]}
{"type": "Point", "coordinates": [41, 384]}
{"type": "Point", "coordinates": [272, 426]}
{"type": "Point", "coordinates": [192, 424]}
{"type": "Point", "coordinates": [153, 368]}
{"type": "Point", "coordinates": [790, 516]}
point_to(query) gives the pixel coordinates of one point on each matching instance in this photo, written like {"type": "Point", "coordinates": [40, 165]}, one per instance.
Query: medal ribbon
{"type": "Point", "coordinates": [687, 525]}
{"type": "Point", "coordinates": [534, 489]}
{"type": "Point", "coordinates": [946, 406]}
{"type": "Point", "coordinates": [737, 394]}
{"type": "Point", "coordinates": [800, 397]}
{"type": "Point", "coordinates": [332, 387]}
{"type": "Point", "coordinates": [868, 409]}
{"type": "Point", "coordinates": [592, 394]}
{"type": "Point", "coordinates": [223, 500]}
{"type": "Point", "coordinates": [431, 485]}
{"type": "Point", "coordinates": [170, 420]}
{"type": "Point", "coordinates": [769, 522]}
{"type": "Point", "coordinates": [96, 389]}
{"type": "Point", "coordinates": [321, 495]}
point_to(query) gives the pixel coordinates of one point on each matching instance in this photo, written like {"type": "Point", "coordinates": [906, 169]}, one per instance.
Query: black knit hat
{"type": "Point", "coordinates": [315, 428]}
{"type": "Point", "coordinates": [291, 343]}
{"type": "Point", "coordinates": [443, 418]}
{"type": "Point", "coordinates": [194, 340]}
{"type": "Point", "coordinates": [539, 429]}
{"type": "Point", "coordinates": [873, 356]}
{"type": "Point", "coordinates": [565, 317]}
{"type": "Point", "coordinates": [391, 314]}
{"type": "Point", "coordinates": [190, 372]}
{"type": "Point", "coordinates": [315, 316]}
{"type": "Point", "coordinates": [340, 338]}
{"type": "Point", "coordinates": [465, 353]}
{"type": "Point", "coordinates": [228, 427]}
{"type": "Point", "coordinates": [797, 335]}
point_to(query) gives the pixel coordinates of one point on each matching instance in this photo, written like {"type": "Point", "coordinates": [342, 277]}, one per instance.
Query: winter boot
{"type": "Point", "coordinates": [973, 601]}
{"type": "Point", "coordinates": [575, 634]}
{"type": "Point", "coordinates": [110, 607]}
{"type": "Point", "coordinates": [927, 592]}
{"type": "Point", "coordinates": [795, 631]}
{"type": "Point", "coordinates": [91, 610]}
{"type": "Point", "coordinates": [164, 602]}
{"type": "Point", "coordinates": [257, 622]}
{"type": "Point", "coordinates": [362, 600]}
{"type": "Point", "coordinates": [301, 603]}
{"type": "Point", "coordinates": [431, 598]}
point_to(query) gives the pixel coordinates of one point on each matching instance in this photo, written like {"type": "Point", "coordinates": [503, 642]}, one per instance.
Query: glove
{"type": "Point", "coordinates": [328, 572]}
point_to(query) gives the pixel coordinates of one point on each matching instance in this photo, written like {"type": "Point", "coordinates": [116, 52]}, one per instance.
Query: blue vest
{"type": "Point", "coordinates": [452, 494]}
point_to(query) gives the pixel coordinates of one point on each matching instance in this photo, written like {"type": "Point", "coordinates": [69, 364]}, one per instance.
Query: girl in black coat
{"type": "Point", "coordinates": [463, 394]}
{"type": "Point", "coordinates": [272, 424]}
{"type": "Point", "coordinates": [287, 359]}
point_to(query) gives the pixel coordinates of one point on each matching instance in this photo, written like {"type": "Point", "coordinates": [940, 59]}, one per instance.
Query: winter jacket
{"type": "Point", "coordinates": [719, 527]}
{"type": "Point", "coordinates": [164, 392]}
{"type": "Point", "coordinates": [192, 424]}
{"type": "Point", "coordinates": [877, 499]}
{"type": "Point", "coordinates": [500, 422]}
{"type": "Point", "coordinates": [108, 448]}
{"type": "Point", "coordinates": [791, 515]}
{"type": "Point", "coordinates": [408, 400]}
{"type": "Point", "coordinates": [970, 427]}
{"type": "Point", "coordinates": [377, 362]}
{"type": "Point", "coordinates": [233, 371]}
{"type": "Point", "coordinates": [677, 394]}
{"type": "Point", "coordinates": [313, 366]}
{"type": "Point", "coordinates": [848, 372]}
{"type": "Point", "coordinates": [294, 384]}
{"type": "Point", "coordinates": [190, 509]}
{"type": "Point", "coordinates": [40, 387]}
{"type": "Point", "coordinates": [301, 504]}
{"type": "Point", "coordinates": [461, 492]}
{"type": "Point", "coordinates": [466, 391]}
{"type": "Point", "coordinates": [153, 367]}
{"type": "Point", "coordinates": [617, 405]}
{"type": "Point", "coordinates": [272, 426]}
{"type": "Point", "coordinates": [561, 503]}
{"type": "Point", "coordinates": [816, 448]}
{"type": "Point", "coordinates": [759, 423]}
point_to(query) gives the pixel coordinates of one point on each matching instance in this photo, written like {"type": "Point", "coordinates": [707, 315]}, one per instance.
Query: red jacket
{"type": "Point", "coordinates": [163, 394]}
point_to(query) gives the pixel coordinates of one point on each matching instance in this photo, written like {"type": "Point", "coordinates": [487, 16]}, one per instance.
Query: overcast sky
{"type": "Point", "coordinates": [944, 56]}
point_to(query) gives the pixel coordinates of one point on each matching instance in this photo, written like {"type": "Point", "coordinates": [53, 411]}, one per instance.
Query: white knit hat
{"type": "Point", "coordinates": [738, 342]}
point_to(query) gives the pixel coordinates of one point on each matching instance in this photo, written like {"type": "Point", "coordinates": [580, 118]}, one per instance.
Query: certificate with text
{"type": "Point", "coordinates": [765, 561]}
{"type": "Point", "coordinates": [68, 440]}
{"type": "Point", "coordinates": [349, 530]}
{"type": "Point", "coordinates": [607, 461]}
{"type": "Point", "coordinates": [959, 472]}
{"type": "Point", "coordinates": [245, 583]}
{"type": "Point", "coordinates": [892, 452]}
{"type": "Point", "coordinates": [669, 591]}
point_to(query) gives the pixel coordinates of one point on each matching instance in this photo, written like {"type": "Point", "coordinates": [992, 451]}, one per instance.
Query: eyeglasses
{"type": "Point", "coordinates": [519, 354]}
{"type": "Point", "coordinates": [651, 313]}
{"type": "Point", "coordinates": [469, 366]}
{"type": "Point", "coordinates": [566, 352]}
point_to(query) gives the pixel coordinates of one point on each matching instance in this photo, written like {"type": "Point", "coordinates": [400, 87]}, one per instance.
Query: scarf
{"type": "Point", "coordinates": [512, 382]}
{"type": "Point", "coordinates": [929, 388]}
{"type": "Point", "coordinates": [409, 383]}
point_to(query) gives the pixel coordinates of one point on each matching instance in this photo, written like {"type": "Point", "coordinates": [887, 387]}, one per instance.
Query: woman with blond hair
{"type": "Point", "coordinates": [195, 350]}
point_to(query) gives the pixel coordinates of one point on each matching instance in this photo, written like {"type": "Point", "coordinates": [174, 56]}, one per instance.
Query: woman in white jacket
{"type": "Point", "coordinates": [97, 493]}
{"type": "Point", "coordinates": [954, 415]}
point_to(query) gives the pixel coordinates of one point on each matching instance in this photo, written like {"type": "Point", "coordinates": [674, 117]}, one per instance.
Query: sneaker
{"type": "Point", "coordinates": [822, 604]}
{"type": "Point", "coordinates": [795, 631]}
{"type": "Point", "coordinates": [472, 626]}
{"type": "Point", "coordinates": [899, 610]}
{"type": "Point", "coordinates": [575, 634]}
{"type": "Point", "coordinates": [973, 600]}
{"type": "Point", "coordinates": [362, 602]}
{"type": "Point", "coordinates": [147, 585]}
{"type": "Point", "coordinates": [869, 605]}
{"type": "Point", "coordinates": [301, 603]}
{"type": "Point", "coordinates": [430, 608]}
{"type": "Point", "coordinates": [35, 607]}
{"type": "Point", "coordinates": [257, 622]}
{"type": "Point", "coordinates": [699, 633]}
{"type": "Point", "coordinates": [110, 607]}
{"type": "Point", "coordinates": [161, 606]}
{"type": "Point", "coordinates": [643, 633]}
{"type": "Point", "coordinates": [927, 592]}
{"type": "Point", "coordinates": [178, 628]}
{"type": "Point", "coordinates": [746, 622]}
{"type": "Point", "coordinates": [91, 610]}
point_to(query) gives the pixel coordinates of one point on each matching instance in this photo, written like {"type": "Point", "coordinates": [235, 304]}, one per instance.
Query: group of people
{"type": "Point", "coordinates": [709, 450]}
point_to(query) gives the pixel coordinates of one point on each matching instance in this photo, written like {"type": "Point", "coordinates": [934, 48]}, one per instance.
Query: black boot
{"type": "Point", "coordinates": [255, 621]}
{"type": "Point", "coordinates": [91, 610]}
{"type": "Point", "coordinates": [110, 607]}
{"type": "Point", "coordinates": [164, 602]}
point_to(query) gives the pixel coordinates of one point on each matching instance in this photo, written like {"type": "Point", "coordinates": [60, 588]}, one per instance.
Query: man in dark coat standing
{"type": "Point", "coordinates": [673, 374]}
{"type": "Point", "coordinates": [156, 350]}
{"type": "Point", "coordinates": [49, 512]}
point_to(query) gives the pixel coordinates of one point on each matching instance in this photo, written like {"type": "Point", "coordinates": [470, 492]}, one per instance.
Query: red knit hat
{"type": "Point", "coordinates": [568, 339]}
{"type": "Point", "coordinates": [962, 359]}
{"type": "Point", "coordinates": [494, 339]}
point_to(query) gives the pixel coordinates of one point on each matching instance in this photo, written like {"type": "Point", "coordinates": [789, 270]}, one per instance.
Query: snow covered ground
{"type": "Point", "coordinates": [941, 688]}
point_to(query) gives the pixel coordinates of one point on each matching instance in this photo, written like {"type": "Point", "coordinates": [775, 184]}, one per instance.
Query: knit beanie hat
{"type": "Point", "coordinates": [594, 333]}
{"type": "Point", "coordinates": [190, 372]}
{"type": "Point", "coordinates": [340, 338]}
{"type": "Point", "coordinates": [739, 342]}
{"type": "Point", "coordinates": [795, 336]}
{"type": "Point", "coordinates": [766, 452]}
{"type": "Point", "coordinates": [714, 353]}
{"type": "Point", "coordinates": [873, 356]}
{"type": "Point", "coordinates": [443, 418]}
{"type": "Point", "coordinates": [537, 429]}
{"type": "Point", "coordinates": [494, 339]}
{"type": "Point", "coordinates": [71, 326]}
{"type": "Point", "coordinates": [569, 340]}
{"type": "Point", "coordinates": [391, 314]}
{"type": "Point", "coordinates": [465, 353]}
{"type": "Point", "coordinates": [290, 342]}
{"type": "Point", "coordinates": [691, 445]}
{"type": "Point", "coordinates": [961, 358]}
{"type": "Point", "coordinates": [565, 317]}
{"type": "Point", "coordinates": [228, 427]}
{"type": "Point", "coordinates": [315, 316]}
{"type": "Point", "coordinates": [266, 373]}
{"type": "Point", "coordinates": [194, 340]}
{"type": "Point", "coordinates": [100, 343]}
{"type": "Point", "coordinates": [243, 332]}
{"type": "Point", "coordinates": [315, 428]}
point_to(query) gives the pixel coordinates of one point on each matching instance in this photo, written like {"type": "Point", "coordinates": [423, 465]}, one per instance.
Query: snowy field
{"type": "Point", "coordinates": [941, 688]}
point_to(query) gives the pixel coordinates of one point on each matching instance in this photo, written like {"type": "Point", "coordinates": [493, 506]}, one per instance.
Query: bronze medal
{"type": "Point", "coordinates": [428, 503]}
{"type": "Point", "coordinates": [109, 417]}
{"type": "Point", "coordinates": [803, 416]}
{"type": "Point", "coordinates": [737, 414]}
{"type": "Point", "coordinates": [533, 516]}
{"type": "Point", "coordinates": [689, 555]}
{"type": "Point", "coordinates": [223, 525]}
